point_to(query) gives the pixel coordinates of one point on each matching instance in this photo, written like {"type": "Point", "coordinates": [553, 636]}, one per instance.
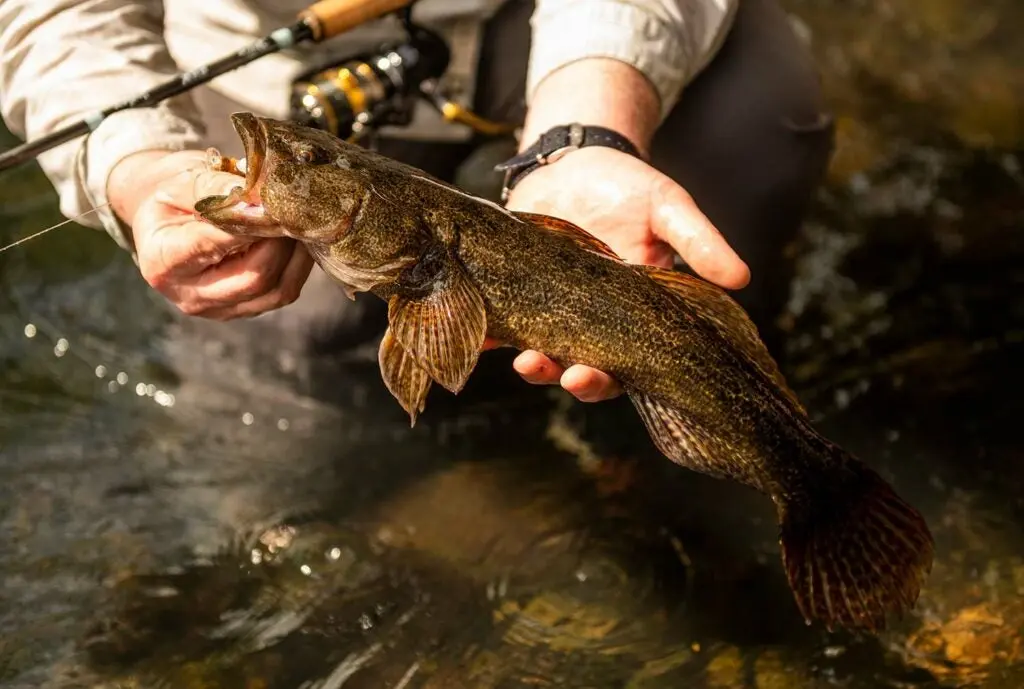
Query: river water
{"type": "Point", "coordinates": [171, 519]}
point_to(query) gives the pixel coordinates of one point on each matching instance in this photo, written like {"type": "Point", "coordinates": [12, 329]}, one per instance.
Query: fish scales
{"type": "Point", "coordinates": [455, 269]}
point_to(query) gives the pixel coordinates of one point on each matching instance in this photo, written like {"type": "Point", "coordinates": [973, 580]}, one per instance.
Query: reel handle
{"type": "Point", "coordinates": [328, 18]}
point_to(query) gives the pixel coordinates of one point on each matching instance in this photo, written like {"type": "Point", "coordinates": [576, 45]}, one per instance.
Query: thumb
{"type": "Point", "coordinates": [196, 181]}
{"type": "Point", "coordinates": [676, 220]}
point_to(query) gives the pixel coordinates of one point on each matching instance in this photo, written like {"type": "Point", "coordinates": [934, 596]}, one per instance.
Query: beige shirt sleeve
{"type": "Point", "coordinates": [669, 41]}
{"type": "Point", "coordinates": [65, 59]}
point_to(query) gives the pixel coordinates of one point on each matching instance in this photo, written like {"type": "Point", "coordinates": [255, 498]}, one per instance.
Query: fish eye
{"type": "Point", "coordinates": [308, 154]}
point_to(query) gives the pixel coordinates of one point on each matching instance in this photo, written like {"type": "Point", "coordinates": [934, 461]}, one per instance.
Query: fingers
{"type": "Point", "coordinates": [677, 221]}
{"type": "Point", "coordinates": [182, 191]}
{"type": "Point", "coordinates": [583, 382]}
{"type": "Point", "coordinates": [284, 292]}
{"type": "Point", "coordinates": [245, 275]}
{"type": "Point", "coordinates": [588, 384]}
{"type": "Point", "coordinates": [537, 369]}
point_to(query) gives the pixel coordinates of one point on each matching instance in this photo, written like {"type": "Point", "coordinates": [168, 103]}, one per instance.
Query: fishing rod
{"type": "Point", "coordinates": [320, 21]}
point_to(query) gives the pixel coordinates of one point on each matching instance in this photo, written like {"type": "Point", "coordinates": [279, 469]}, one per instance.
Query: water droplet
{"type": "Point", "coordinates": [834, 651]}
{"type": "Point", "coordinates": [256, 556]}
{"type": "Point", "coordinates": [113, 386]}
{"type": "Point", "coordinates": [140, 389]}
{"type": "Point", "coordinates": [150, 389]}
{"type": "Point", "coordinates": [282, 424]}
{"type": "Point", "coordinates": [334, 553]}
{"type": "Point", "coordinates": [365, 622]}
{"type": "Point", "coordinates": [61, 348]}
{"type": "Point", "coordinates": [306, 569]}
{"type": "Point", "coordinates": [122, 378]}
{"type": "Point", "coordinates": [101, 371]}
{"type": "Point", "coordinates": [247, 418]}
{"type": "Point", "coordinates": [30, 330]}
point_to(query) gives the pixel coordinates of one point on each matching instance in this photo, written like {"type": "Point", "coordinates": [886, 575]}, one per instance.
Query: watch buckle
{"type": "Point", "coordinates": [576, 134]}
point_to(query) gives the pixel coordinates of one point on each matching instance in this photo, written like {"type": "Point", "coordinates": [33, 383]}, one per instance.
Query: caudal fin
{"type": "Point", "coordinates": [858, 556]}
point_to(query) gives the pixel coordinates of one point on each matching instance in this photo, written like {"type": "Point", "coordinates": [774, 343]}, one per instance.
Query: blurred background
{"type": "Point", "coordinates": [168, 518]}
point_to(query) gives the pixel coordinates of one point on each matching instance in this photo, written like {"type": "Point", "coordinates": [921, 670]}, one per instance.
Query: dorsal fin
{"type": "Point", "coordinates": [716, 306]}
{"type": "Point", "coordinates": [581, 237]}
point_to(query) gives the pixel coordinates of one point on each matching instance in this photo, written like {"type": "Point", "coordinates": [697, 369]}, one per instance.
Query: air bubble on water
{"type": "Point", "coordinates": [101, 371]}
{"type": "Point", "coordinates": [282, 424]}
{"type": "Point", "coordinates": [164, 399]}
{"type": "Point", "coordinates": [30, 330]}
{"type": "Point", "coordinates": [334, 553]}
{"type": "Point", "coordinates": [247, 418]}
{"type": "Point", "coordinates": [834, 651]}
{"type": "Point", "coordinates": [306, 569]}
{"type": "Point", "coordinates": [140, 389]}
{"type": "Point", "coordinates": [842, 398]}
{"type": "Point", "coordinates": [150, 389]}
{"type": "Point", "coordinates": [122, 378]}
{"type": "Point", "coordinates": [256, 556]}
{"type": "Point", "coordinates": [365, 622]}
{"type": "Point", "coordinates": [61, 348]}
{"type": "Point", "coordinates": [113, 386]}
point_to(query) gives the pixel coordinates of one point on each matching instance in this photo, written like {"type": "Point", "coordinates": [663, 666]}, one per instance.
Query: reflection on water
{"type": "Point", "coordinates": [168, 528]}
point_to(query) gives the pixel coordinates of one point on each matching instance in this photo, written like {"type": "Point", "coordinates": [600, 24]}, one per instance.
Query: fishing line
{"type": "Point", "coordinates": [78, 217]}
{"type": "Point", "coordinates": [18, 242]}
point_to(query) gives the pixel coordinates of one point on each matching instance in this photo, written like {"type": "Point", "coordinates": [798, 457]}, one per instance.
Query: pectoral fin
{"type": "Point", "coordinates": [728, 317]}
{"type": "Point", "coordinates": [444, 328]}
{"type": "Point", "coordinates": [404, 378]}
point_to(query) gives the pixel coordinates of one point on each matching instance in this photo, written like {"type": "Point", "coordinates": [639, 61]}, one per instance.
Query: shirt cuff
{"type": "Point", "coordinates": [573, 31]}
{"type": "Point", "coordinates": [119, 136]}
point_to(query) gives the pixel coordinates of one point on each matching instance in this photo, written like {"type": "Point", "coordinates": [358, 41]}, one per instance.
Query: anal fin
{"type": "Point", "coordinates": [404, 378]}
{"type": "Point", "coordinates": [677, 437]}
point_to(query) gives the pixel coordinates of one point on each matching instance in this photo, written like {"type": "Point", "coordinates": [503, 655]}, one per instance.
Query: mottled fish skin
{"type": "Point", "coordinates": [455, 268]}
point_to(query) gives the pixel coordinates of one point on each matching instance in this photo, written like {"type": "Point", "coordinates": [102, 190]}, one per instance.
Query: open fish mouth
{"type": "Point", "coordinates": [242, 211]}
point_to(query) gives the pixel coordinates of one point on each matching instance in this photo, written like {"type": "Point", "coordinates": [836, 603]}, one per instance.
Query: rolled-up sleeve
{"type": "Point", "coordinates": [61, 60]}
{"type": "Point", "coordinates": [669, 41]}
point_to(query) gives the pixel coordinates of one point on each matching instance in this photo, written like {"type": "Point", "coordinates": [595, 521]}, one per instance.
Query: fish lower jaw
{"type": "Point", "coordinates": [245, 218]}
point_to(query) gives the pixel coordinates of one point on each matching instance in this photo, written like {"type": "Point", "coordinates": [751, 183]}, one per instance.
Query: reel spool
{"type": "Point", "coordinates": [381, 88]}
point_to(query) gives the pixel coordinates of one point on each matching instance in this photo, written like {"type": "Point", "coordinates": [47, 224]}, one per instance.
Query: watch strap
{"type": "Point", "coordinates": [555, 143]}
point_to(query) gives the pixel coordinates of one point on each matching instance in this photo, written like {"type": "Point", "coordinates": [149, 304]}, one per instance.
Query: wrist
{"type": "Point", "coordinates": [595, 91]}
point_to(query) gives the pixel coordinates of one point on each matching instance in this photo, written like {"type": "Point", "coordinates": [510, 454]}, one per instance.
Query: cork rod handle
{"type": "Point", "coordinates": [332, 17]}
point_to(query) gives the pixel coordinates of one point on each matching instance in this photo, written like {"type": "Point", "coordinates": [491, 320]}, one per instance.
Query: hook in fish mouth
{"type": "Point", "coordinates": [242, 211]}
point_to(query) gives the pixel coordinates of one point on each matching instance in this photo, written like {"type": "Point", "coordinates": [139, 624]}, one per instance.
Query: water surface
{"type": "Point", "coordinates": [173, 514]}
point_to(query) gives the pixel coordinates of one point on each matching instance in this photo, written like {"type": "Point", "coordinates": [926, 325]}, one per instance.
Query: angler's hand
{"type": "Point", "coordinates": [202, 270]}
{"type": "Point", "coordinates": [644, 216]}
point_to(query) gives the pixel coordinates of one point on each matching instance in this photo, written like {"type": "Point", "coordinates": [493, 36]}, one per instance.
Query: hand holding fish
{"type": "Point", "coordinates": [644, 216]}
{"type": "Point", "coordinates": [455, 269]}
{"type": "Point", "coordinates": [202, 270]}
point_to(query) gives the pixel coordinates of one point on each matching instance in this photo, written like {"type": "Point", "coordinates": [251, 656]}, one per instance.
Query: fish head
{"type": "Point", "coordinates": [300, 183]}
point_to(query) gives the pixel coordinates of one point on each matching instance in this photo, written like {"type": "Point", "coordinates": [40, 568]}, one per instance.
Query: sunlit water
{"type": "Point", "coordinates": [174, 516]}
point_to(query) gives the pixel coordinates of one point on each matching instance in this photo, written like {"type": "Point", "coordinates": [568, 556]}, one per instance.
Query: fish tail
{"type": "Point", "coordinates": [854, 554]}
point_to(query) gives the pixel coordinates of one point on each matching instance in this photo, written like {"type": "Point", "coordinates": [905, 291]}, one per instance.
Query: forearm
{"type": "Point", "coordinates": [64, 59]}
{"type": "Point", "coordinates": [618, 63]}
{"type": "Point", "coordinates": [595, 91]}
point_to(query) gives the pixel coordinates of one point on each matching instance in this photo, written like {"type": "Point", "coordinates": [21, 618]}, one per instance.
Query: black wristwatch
{"type": "Point", "coordinates": [556, 142]}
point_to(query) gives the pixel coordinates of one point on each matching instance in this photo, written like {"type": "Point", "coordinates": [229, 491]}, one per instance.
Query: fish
{"type": "Point", "coordinates": [455, 269]}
